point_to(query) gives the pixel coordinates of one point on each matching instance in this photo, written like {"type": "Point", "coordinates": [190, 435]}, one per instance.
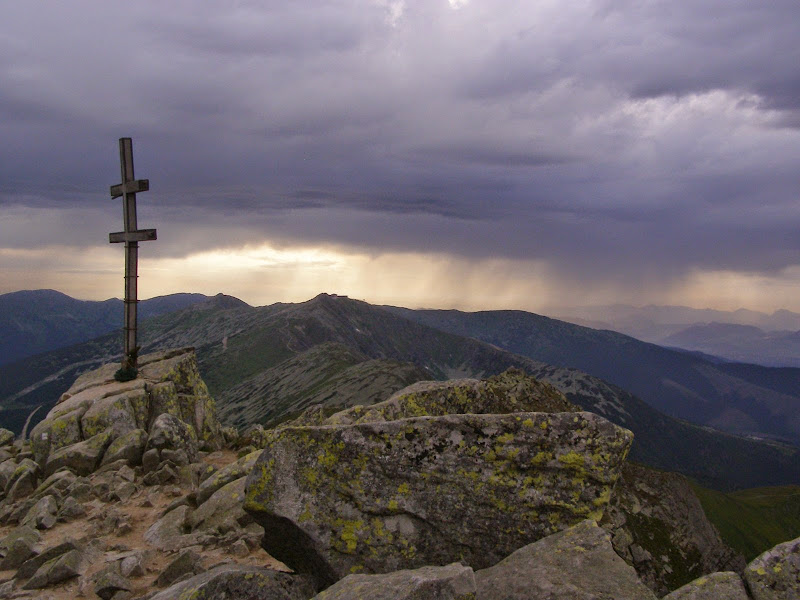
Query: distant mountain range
{"type": "Point", "coordinates": [38, 321]}
{"type": "Point", "coordinates": [771, 340]}
{"type": "Point", "coordinates": [739, 398]}
{"type": "Point", "coordinates": [268, 364]}
{"type": "Point", "coordinates": [653, 323]}
{"type": "Point", "coordinates": [740, 343]}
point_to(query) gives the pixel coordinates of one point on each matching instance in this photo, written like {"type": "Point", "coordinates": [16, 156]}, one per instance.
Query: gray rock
{"type": "Point", "coordinates": [22, 482]}
{"type": "Point", "coordinates": [82, 458]}
{"type": "Point", "coordinates": [108, 582]}
{"type": "Point", "coordinates": [18, 546]}
{"type": "Point", "coordinates": [71, 509]}
{"type": "Point", "coordinates": [169, 432]}
{"type": "Point", "coordinates": [226, 504]}
{"type": "Point", "coordinates": [726, 585]}
{"type": "Point", "coordinates": [128, 447]}
{"type": "Point", "coordinates": [232, 472]}
{"type": "Point", "coordinates": [43, 514]}
{"type": "Point", "coordinates": [57, 485]}
{"type": "Point", "coordinates": [168, 532]}
{"type": "Point", "coordinates": [124, 491]}
{"type": "Point", "coordinates": [429, 490]}
{"type": "Point", "coordinates": [775, 574]}
{"type": "Point", "coordinates": [176, 457]}
{"type": "Point", "coordinates": [33, 565]}
{"type": "Point", "coordinates": [55, 571]}
{"type": "Point", "coordinates": [7, 468]}
{"type": "Point", "coordinates": [186, 564]}
{"type": "Point", "coordinates": [452, 582]}
{"type": "Point", "coordinates": [133, 565]}
{"type": "Point", "coordinates": [232, 582]}
{"type": "Point", "coordinates": [6, 437]}
{"type": "Point", "coordinates": [150, 460]}
{"type": "Point", "coordinates": [575, 564]}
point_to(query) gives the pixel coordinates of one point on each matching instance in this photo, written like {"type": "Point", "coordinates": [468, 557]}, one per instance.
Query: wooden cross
{"type": "Point", "coordinates": [131, 236]}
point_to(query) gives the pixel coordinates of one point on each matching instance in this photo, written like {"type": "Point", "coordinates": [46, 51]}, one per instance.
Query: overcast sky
{"type": "Point", "coordinates": [466, 153]}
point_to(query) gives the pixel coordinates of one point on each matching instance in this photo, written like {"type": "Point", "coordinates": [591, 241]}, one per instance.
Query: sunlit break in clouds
{"type": "Point", "coordinates": [449, 153]}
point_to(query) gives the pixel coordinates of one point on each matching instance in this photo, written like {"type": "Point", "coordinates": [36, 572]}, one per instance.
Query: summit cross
{"type": "Point", "coordinates": [131, 237]}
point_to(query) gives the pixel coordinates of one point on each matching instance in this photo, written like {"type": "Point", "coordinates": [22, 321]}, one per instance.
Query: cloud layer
{"type": "Point", "coordinates": [621, 145]}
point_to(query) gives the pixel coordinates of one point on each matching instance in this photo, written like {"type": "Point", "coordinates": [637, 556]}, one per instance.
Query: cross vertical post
{"type": "Point", "coordinates": [131, 236]}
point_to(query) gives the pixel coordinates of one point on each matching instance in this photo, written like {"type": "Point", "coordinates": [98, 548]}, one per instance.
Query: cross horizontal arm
{"type": "Point", "coordinates": [141, 235]}
{"type": "Point", "coordinates": [130, 187]}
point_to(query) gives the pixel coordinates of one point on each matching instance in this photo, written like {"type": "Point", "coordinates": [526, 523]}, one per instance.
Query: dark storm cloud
{"type": "Point", "coordinates": [610, 138]}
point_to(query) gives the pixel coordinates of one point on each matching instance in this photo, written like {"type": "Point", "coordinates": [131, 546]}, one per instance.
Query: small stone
{"type": "Point", "coordinates": [150, 460]}
{"type": "Point", "coordinates": [108, 582]}
{"type": "Point", "coordinates": [124, 491]}
{"type": "Point", "coordinates": [240, 549]}
{"type": "Point", "coordinates": [43, 514]}
{"type": "Point", "coordinates": [186, 564]}
{"type": "Point", "coordinates": [131, 566]}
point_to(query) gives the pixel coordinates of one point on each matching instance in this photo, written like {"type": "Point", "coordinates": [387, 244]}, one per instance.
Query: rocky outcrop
{"type": "Point", "coordinates": [575, 564]}
{"type": "Point", "coordinates": [451, 582]}
{"type": "Point", "coordinates": [658, 525]}
{"type": "Point", "coordinates": [378, 496]}
{"type": "Point", "coordinates": [96, 405]}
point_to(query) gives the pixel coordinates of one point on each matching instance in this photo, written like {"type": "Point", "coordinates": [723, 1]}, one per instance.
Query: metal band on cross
{"type": "Point", "coordinates": [131, 237]}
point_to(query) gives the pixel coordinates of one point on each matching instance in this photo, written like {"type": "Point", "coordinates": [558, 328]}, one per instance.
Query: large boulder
{"type": "Point", "coordinates": [576, 564]}
{"type": "Point", "coordinates": [234, 582]}
{"type": "Point", "coordinates": [775, 574]}
{"type": "Point", "coordinates": [170, 433]}
{"type": "Point", "coordinates": [381, 496]}
{"type": "Point", "coordinates": [452, 582]}
{"type": "Point", "coordinates": [510, 392]}
{"type": "Point", "coordinates": [232, 472]}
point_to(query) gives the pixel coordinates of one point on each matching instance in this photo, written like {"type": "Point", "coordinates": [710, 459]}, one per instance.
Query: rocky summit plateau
{"type": "Point", "coordinates": [493, 489]}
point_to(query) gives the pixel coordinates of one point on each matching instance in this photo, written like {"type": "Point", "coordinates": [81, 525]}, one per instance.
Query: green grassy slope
{"type": "Point", "coordinates": [753, 520]}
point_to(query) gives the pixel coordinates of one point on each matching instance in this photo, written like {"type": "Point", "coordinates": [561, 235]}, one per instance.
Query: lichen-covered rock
{"type": "Point", "coordinates": [32, 565]}
{"type": "Point", "coordinates": [775, 574]}
{"type": "Point", "coordinates": [378, 497]}
{"type": "Point", "coordinates": [451, 582]}
{"type": "Point", "coordinates": [170, 433]}
{"type": "Point", "coordinates": [576, 564]}
{"type": "Point", "coordinates": [128, 447]}
{"type": "Point", "coordinates": [117, 413]}
{"type": "Point", "coordinates": [725, 585]}
{"type": "Point", "coordinates": [232, 472]}
{"type": "Point", "coordinates": [510, 392]}
{"type": "Point", "coordinates": [82, 458]}
{"type": "Point", "coordinates": [233, 582]}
